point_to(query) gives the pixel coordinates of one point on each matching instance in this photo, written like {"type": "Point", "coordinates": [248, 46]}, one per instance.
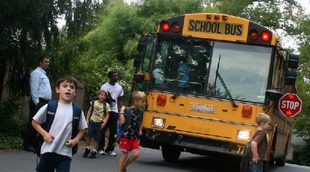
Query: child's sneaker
{"type": "Point", "coordinates": [92, 155]}
{"type": "Point", "coordinates": [110, 153]}
{"type": "Point", "coordinates": [101, 152]}
{"type": "Point", "coordinates": [86, 153]}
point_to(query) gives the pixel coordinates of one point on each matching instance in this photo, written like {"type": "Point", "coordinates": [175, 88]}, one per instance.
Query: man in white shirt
{"type": "Point", "coordinates": [117, 94]}
{"type": "Point", "coordinates": [41, 93]}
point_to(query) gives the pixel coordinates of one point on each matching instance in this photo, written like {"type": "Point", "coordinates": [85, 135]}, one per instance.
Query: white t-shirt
{"type": "Point", "coordinates": [116, 91]}
{"type": "Point", "coordinates": [61, 128]}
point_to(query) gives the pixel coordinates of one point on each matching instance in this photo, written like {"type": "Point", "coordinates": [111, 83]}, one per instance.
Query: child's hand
{"type": "Point", "coordinates": [71, 143]}
{"type": "Point", "coordinates": [48, 138]}
{"type": "Point", "coordinates": [122, 110]}
{"type": "Point", "coordinates": [140, 133]}
{"type": "Point", "coordinates": [103, 125]}
{"type": "Point", "coordinates": [255, 159]}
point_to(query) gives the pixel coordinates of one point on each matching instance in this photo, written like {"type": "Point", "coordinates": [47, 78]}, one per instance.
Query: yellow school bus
{"type": "Point", "coordinates": [206, 76]}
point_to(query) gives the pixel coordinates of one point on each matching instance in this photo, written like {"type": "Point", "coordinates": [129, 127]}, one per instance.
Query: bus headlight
{"type": "Point", "coordinates": [243, 135]}
{"type": "Point", "coordinates": [158, 122]}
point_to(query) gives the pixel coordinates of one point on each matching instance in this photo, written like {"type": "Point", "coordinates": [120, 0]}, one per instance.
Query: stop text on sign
{"type": "Point", "coordinates": [290, 104]}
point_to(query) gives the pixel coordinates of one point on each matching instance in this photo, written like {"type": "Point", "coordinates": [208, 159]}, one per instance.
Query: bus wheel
{"type": "Point", "coordinates": [170, 153]}
{"type": "Point", "coordinates": [280, 161]}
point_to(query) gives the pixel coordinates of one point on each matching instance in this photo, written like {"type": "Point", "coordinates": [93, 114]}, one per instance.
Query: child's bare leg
{"type": "Point", "coordinates": [95, 145]}
{"type": "Point", "coordinates": [122, 160]}
{"type": "Point", "coordinates": [132, 158]}
{"type": "Point", "coordinates": [87, 141]}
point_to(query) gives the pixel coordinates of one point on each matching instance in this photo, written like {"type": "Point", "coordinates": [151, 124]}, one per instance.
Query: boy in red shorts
{"type": "Point", "coordinates": [129, 141]}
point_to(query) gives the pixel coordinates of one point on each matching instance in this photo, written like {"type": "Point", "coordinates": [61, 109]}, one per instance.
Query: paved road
{"type": "Point", "coordinates": [150, 161]}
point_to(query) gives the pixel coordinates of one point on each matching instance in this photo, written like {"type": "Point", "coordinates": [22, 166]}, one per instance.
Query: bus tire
{"type": "Point", "coordinates": [170, 153]}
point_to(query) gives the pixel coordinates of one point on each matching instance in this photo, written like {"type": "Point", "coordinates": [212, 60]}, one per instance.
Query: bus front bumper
{"type": "Point", "coordinates": [198, 145]}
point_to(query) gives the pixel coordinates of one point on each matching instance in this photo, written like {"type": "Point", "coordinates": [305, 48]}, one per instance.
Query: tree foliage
{"type": "Point", "coordinates": [102, 35]}
{"type": "Point", "coordinates": [29, 28]}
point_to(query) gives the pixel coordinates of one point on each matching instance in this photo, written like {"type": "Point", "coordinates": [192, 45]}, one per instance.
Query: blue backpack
{"type": "Point", "coordinates": [50, 114]}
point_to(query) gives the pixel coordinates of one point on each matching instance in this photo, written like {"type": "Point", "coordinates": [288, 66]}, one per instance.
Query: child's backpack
{"type": "Point", "coordinates": [104, 108]}
{"type": "Point", "coordinates": [121, 129]}
{"type": "Point", "coordinates": [50, 114]}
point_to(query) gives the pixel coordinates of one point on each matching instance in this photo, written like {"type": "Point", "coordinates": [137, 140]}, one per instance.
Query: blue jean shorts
{"type": "Point", "coordinates": [94, 130]}
{"type": "Point", "coordinates": [256, 167]}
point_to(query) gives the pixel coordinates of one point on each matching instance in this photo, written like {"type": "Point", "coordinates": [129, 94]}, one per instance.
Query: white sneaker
{"type": "Point", "coordinates": [111, 153]}
{"type": "Point", "coordinates": [101, 152]}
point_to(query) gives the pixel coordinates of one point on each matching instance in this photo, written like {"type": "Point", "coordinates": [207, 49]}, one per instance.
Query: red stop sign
{"type": "Point", "coordinates": [290, 104]}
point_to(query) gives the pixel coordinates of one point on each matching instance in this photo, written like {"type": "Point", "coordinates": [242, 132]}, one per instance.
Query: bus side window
{"type": "Point", "coordinates": [278, 72]}
{"type": "Point", "coordinates": [146, 64]}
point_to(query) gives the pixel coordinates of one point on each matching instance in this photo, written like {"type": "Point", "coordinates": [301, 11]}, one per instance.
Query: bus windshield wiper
{"type": "Point", "coordinates": [218, 75]}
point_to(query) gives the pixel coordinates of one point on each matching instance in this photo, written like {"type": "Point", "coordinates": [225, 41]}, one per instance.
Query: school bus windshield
{"type": "Point", "coordinates": [192, 66]}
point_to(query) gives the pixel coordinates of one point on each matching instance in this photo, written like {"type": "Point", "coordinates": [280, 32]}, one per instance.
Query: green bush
{"type": "Point", "coordinates": [7, 142]}
{"type": "Point", "coordinates": [11, 126]}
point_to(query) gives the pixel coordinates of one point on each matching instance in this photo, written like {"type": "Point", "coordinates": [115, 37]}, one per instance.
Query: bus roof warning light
{"type": "Point", "coordinates": [265, 36]}
{"type": "Point", "coordinates": [165, 26]}
{"type": "Point", "coordinates": [176, 28]}
{"type": "Point", "coordinates": [253, 35]}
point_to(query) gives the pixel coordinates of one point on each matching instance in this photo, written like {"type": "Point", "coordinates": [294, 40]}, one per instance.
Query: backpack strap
{"type": "Point", "coordinates": [77, 112]}
{"type": "Point", "coordinates": [128, 110]}
{"type": "Point", "coordinates": [92, 109]}
{"type": "Point", "coordinates": [104, 108]}
{"type": "Point", "coordinates": [76, 119]}
{"type": "Point", "coordinates": [123, 127]}
{"type": "Point", "coordinates": [50, 115]}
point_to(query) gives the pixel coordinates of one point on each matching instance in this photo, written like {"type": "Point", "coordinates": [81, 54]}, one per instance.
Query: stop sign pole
{"type": "Point", "coordinates": [290, 104]}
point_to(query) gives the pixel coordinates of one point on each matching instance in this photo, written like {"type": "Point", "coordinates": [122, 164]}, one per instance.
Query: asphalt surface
{"type": "Point", "coordinates": [150, 161]}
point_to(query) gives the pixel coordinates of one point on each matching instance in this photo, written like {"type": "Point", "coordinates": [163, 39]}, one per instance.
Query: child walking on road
{"type": "Point", "coordinates": [129, 141]}
{"type": "Point", "coordinates": [252, 161]}
{"type": "Point", "coordinates": [97, 118]}
{"type": "Point", "coordinates": [65, 128]}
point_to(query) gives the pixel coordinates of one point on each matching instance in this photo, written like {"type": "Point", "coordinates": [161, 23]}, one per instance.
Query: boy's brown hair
{"type": "Point", "coordinates": [67, 78]}
{"type": "Point", "coordinates": [262, 117]}
{"type": "Point", "coordinates": [138, 95]}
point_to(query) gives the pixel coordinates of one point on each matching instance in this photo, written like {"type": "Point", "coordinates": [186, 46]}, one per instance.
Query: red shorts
{"type": "Point", "coordinates": [129, 144]}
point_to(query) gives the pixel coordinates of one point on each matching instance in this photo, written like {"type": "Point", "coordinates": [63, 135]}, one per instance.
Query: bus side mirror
{"type": "Point", "coordinates": [273, 95]}
{"type": "Point", "coordinates": [140, 52]}
{"type": "Point", "coordinates": [290, 78]}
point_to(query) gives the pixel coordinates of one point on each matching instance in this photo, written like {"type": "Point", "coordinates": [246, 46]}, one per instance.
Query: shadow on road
{"type": "Point", "coordinates": [197, 164]}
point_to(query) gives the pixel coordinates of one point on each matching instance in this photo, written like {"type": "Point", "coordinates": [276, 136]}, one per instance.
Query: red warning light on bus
{"type": "Point", "coordinates": [265, 36]}
{"type": "Point", "coordinates": [165, 26]}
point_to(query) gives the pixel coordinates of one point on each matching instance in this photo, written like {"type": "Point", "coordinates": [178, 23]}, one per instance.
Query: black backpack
{"type": "Point", "coordinates": [50, 114]}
